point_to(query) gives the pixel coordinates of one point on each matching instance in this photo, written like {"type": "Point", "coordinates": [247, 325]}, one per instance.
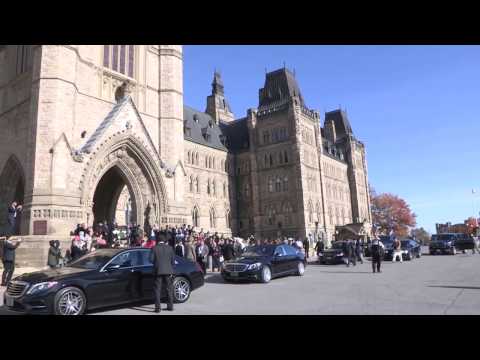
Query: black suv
{"type": "Point", "coordinates": [464, 242]}
{"type": "Point", "coordinates": [443, 244]}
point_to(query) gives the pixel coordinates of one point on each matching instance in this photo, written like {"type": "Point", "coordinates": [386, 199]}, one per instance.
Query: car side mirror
{"type": "Point", "coordinates": [112, 268]}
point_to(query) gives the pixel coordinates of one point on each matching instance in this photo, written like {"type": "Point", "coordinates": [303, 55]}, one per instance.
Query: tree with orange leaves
{"type": "Point", "coordinates": [391, 213]}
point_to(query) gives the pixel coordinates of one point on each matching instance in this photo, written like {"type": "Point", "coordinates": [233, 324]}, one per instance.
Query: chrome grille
{"type": "Point", "coordinates": [236, 267]}
{"type": "Point", "coordinates": [16, 288]}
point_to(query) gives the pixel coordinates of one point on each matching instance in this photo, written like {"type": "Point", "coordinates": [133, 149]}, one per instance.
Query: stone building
{"type": "Point", "coordinates": [88, 131]}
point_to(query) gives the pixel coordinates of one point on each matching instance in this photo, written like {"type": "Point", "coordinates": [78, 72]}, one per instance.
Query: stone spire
{"type": "Point", "coordinates": [217, 106]}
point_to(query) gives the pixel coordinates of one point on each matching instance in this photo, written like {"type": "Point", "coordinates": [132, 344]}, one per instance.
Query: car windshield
{"type": "Point", "coordinates": [92, 261]}
{"type": "Point", "coordinates": [264, 250]}
{"type": "Point", "coordinates": [386, 240]}
{"type": "Point", "coordinates": [337, 245]}
{"type": "Point", "coordinates": [445, 237]}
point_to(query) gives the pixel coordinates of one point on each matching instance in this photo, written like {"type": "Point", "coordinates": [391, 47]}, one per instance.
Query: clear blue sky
{"type": "Point", "coordinates": [415, 107]}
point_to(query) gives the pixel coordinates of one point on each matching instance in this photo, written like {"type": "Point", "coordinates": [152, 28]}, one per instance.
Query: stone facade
{"type": "Point", "coordinates": [87, 127]}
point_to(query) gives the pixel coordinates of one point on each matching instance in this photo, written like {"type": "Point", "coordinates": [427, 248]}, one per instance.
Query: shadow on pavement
{"type": "Point", "coordinates": [455, 287]}
{"type": "Point", "coordinates": [347, 272]}
{"type": "Point", "coordinates": [218, 279]}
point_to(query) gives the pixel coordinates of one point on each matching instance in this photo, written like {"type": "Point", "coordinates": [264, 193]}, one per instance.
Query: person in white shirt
{"type": "Point", "coordinates": [397, 250]}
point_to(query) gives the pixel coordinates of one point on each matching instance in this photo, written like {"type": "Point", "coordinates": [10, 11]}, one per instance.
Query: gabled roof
{"type": "Point", "coordinates": [87, 147]}
{"type": "Point", "coordinates": [340, 120]}
{"type": "Point", "coordinates": [201, 125]}
{"type": "Point", "coordinates": [237, 134]}
{"type": "Point", "coordinates": [279, 85]}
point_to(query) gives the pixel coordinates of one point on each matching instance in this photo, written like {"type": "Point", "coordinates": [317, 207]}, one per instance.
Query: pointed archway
{"type": "Point", "coordinates": [12, 188]}
{"type": "Point", "coordinates": [124, 162]}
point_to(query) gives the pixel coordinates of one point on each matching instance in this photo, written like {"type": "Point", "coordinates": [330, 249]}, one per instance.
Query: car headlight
{"type": "Point", "coordinates": [320, 254]}
{"type": "Point", "coordinates": [255, 266]}
{"type": "Point", "coordinates": [41, 286]}
{"type": "Point", "coordinates": [341, 254]}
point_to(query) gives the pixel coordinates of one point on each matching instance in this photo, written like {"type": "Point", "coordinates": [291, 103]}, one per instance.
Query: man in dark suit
{"type": "Point", "coordinates": [13, 211]}
{"type": "Point", "coordinates": [9, 248]}
{"type": "Point", "coordinates": [163, 259]}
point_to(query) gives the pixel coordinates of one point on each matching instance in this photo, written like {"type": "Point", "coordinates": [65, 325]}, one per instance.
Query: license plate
{"type": "Point", "coordinates": [234, 274]}
{"type": "Point", "coordinates": [9, 301]}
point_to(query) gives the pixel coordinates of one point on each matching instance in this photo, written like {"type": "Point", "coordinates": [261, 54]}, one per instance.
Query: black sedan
{"type": "Point", "coordinates": [106, 277]}
{"type": "Point", "coordinates": [410, 250]}
{"type": "Point", "coordinates": [265, 262]}
{"type": "Point", "coordinates": [334, 255]}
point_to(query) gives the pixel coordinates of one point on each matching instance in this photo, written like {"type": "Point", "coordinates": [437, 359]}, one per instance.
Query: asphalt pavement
{"type": "Point", "coordinates": [431, 285]}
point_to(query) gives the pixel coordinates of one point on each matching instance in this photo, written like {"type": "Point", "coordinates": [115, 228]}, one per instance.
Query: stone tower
{"type": "Point", "coordinates": [217, 106]}
{"type": "Point", "coordinates": [84, 122]}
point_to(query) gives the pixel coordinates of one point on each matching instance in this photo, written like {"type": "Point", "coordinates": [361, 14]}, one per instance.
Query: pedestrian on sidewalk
{"type": "Point", "coordinates": [13, 210]}
{"type": "Point", "coordinates": [359, 251]}
{"type": "Point", "coordinates": [319, 247]}
{"type": "Point", "coordinates": [8, 259]}
{"type": "Point", "coordinates": [306, 246]}
{"type": "Point", "coordinates": [202, 255]}
{"type": "Point", "coordinates": [190, 250]}
{"type": "Point", "coordinates": [54, 254]}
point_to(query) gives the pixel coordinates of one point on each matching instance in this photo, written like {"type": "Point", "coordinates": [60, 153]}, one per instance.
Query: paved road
{"type": "Point", "coordinates": [430, 285]}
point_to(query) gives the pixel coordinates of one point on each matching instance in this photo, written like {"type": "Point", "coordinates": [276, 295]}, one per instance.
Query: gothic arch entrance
{"type": "Point", "coordinates": [12, 188]}
{"type": "Point", "coordinates": [123, 163]}
{"type": "Point", "coordinates": [107, 195]}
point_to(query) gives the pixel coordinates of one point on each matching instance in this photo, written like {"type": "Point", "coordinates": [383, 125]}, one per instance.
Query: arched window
{"type": "Point", "coordinates": [208, 186]}
{"type": "Point", "coordinates": [227, 219]}
{"type": "Point", "coordinates": [191, 183]}
{"type": "Point", "coordinates": [195, 217]}
{"type": "Point", "coordinates": [214, 186]}
{"type": "Point", "coordinates": [213, 163]}
{"type": "Point", "coordinates": [209, 162]}
{"type": "Point", "coordinates": [280, 158]}
{"type": "Point", "coordinates": [278, 185]}
{"type": "Point", "coordinates": [271, 160]}
{"type": "Point", "coordinates": [337, 216]}
{"type": "Point", "coordinates": [270, 184]}
{"type": "Point", "coordinates": [197, 185]}
{"type": "Point", "coordinates": [310, 212]}
{"type": "Point", "coordinates": [247, 189]}
{"type": "Point", "coordinates": [317, 208]}
{"type": "Point", "coordinates": [196, 159]}
{"type": "Point", "coordinates": [285, 183]}
{"type": "Point", "coordinates": [212, 218]}
{"type": "Point", "coordinates": [206, 161]}
{"type": "Point", "coordinates": [188, 158]}
{"type": "Point", "coordinates": [119, 58]}
{"type": "Point", "coordinates": [266, 160]}
{"type": "Point", "coordinates": [286, 157]}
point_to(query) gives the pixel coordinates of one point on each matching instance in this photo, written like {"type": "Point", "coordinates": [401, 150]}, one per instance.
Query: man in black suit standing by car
{"type": "Point", "coordinates": [163, 259]}
{"type": "Point", "coordinates": [8, 259]}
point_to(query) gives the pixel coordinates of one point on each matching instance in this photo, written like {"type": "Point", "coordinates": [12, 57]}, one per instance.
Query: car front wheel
{"type": "Point", "coordinates": [300, 268]}
{"type": "Point", "coordinates": [181, 289]}
{"type": "Point", "coordinates": [70, 301]}
{"type": "Point", "coordinates": [266, 274]}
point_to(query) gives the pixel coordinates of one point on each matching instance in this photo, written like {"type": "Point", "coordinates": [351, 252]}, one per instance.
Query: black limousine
{"type": "Point", "coordinates": [106, 277]}
{"type": "Point", "coordinates": [265, 262]}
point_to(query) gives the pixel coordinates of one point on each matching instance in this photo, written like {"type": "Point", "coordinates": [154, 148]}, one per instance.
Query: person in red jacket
{"type": "Point", "coordinates": [150, 243]}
